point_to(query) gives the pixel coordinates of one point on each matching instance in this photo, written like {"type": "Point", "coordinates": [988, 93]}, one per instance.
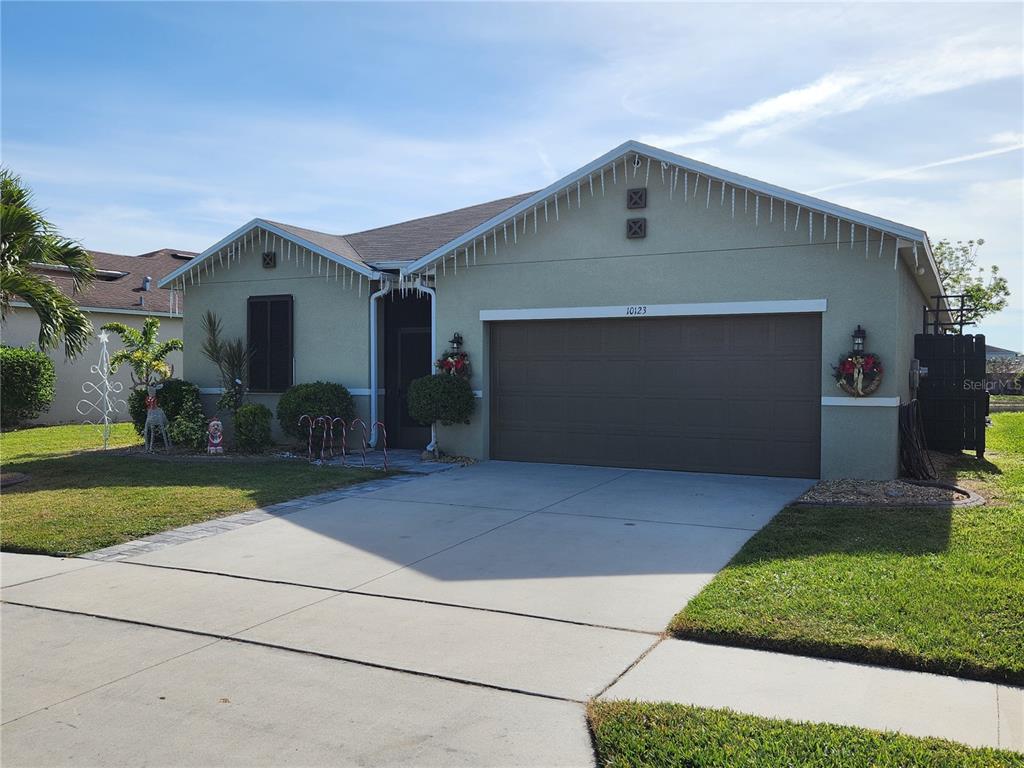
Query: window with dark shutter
{"type": "Point", "coordinates": [270, 339]}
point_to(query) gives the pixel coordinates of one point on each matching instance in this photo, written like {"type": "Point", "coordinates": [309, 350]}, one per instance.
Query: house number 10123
{"type": "Point", "coordinates": [636, 310]}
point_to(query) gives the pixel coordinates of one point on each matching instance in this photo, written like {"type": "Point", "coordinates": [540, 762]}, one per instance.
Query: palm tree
{"type": "Point", "coordinates": [27, 239]}
{"type": "Point", "coordinates": [146, 355]}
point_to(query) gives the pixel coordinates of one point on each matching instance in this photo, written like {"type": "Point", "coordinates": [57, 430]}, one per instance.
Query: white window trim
{"type": "Point", "coordinates": [877, 402]}
{"type": "Point", "coordinates": [639, 311]}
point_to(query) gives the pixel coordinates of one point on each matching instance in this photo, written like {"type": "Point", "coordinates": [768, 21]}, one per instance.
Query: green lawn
{"type": "Point", "coordinates": [936, 591]}
{"type": "Point", "coordinates": [78, 499]}
{"type": "Point", "coordinates": [657, 735]}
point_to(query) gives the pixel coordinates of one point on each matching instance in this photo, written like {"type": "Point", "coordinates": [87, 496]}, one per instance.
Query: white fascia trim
{"type": "Point", "coordinates": [877, 402]}
{"type": "Point", "coordinates": [142, 311]}
{"type": "Point", "coordinates": [371, 274]}
{"type": "Point", "coordinates": [640, 311]}
{"type": "Point", "coordinates": [761, 187]}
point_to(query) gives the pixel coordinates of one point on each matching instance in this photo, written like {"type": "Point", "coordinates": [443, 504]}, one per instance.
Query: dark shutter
{"type": "Point", "coordinates": [270, 338]}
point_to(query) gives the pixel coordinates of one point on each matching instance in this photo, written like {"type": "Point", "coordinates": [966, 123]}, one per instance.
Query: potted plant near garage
{"type": "Point", "coordinates": [446, 396]}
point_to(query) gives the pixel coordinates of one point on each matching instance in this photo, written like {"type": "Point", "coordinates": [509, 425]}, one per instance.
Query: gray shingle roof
{"type": "Point", "coordinates": [336, 244]}
{"type": "Point", "coordinates": [403, 242]}
{"type": "Point", "coordinates": [409, 240]}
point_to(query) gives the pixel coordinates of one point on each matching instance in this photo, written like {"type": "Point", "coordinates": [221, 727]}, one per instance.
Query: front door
{"type": "Point", "coordinates": [407, 347]}
{"type": "Point", "coordinates": [413, 363]}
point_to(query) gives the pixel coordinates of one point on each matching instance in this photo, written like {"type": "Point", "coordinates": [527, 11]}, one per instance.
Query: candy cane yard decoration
{"type": "Point", "coordinates": [309, 441]}
{"type": "Point", "coordinates": [362, 427]}
{"type": "Point", "coordinates": [379, 425]}
{"type": "Point", "coordinates": [344, 428]}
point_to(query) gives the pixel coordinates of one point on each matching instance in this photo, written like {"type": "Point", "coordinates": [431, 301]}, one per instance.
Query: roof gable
{"type": "Point", "coordinates": [272, 235]}
{"type": "Point", "coordinates": [641, 155]}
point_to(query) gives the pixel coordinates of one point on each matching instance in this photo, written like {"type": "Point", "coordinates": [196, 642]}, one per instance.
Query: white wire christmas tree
{"type": "Point", "coordinates": [101, 401]}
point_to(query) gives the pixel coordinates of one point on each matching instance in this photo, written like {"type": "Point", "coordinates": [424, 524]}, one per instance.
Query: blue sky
{"type": "Point", "coordinates": [148, 125]}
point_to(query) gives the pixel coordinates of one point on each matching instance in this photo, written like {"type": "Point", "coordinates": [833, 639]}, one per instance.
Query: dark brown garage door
{"type": "Point", "coordinates": [737, 394]}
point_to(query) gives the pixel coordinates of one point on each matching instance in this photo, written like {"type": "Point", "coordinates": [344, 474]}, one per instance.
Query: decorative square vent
{"type": "Point", "coordinates": [269, 260]}
{"type": "Point", "coordinates": [636, 198]}
{"type": "Point", "coordinates": [636, 228]}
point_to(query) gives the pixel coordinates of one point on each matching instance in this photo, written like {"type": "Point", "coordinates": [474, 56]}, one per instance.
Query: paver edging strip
{"type": "Point", "coordinates": [173, 536]}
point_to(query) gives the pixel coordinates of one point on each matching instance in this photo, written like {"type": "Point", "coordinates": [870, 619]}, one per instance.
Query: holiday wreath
{"type": "Point", "coordinates": [858, 374]}
{"type": "Point", "coordinates": [455, 363]}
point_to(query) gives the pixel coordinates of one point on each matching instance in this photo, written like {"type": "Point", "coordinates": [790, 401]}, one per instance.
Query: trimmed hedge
{"type": "Point", "coordinates": [252, 427]}
{"type": "Point", "coordinates": [441, 397]}
{"type": "Point", "coordinates": [320, 398]}
{"type": "Point", "coordinates": [173, 397]}
{"type": "Point", "coordinates": [27, 378]}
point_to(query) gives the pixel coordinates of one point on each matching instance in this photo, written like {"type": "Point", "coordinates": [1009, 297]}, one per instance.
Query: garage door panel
{"type": "Point", "coordinates": [595, 374]}
{"type": "Point", "coordinates": [793, 378]}
{"type": "Point", "coordinates": [746, 336]}
{"type": "Point", "coordinates": [545, 338]}
{"type": "Point", "coordinates": [663, 337]}
{"type": "Point", "coordinates": [792, 333]}
{"type": "Point", "coordinates": [710, 394]}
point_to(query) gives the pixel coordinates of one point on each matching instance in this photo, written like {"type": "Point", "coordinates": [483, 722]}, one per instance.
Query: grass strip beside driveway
{"type": "Point", "coordinates": [939, 591]}
{"type": "Point", "coordinates": [640, 734]}
{"type": "Point", "coordinates": [79, 500]}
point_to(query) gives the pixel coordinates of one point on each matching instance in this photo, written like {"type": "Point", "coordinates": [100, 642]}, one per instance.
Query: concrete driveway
{"type": "Point", "coordinates": [457, 619]}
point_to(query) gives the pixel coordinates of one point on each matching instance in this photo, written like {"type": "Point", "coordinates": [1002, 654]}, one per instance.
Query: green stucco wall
{"type": "Point", "coordinates": [697, 253]}
{"type": "Point", "coordinates": [331, 322]}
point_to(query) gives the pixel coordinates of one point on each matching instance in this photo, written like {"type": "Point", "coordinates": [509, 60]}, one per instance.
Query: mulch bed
{"type": "Point", "coordinates": [891, 493]}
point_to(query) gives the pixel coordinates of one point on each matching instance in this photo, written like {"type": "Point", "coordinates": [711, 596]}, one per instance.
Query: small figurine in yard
{"type": "Point", "coordinates": [156, 419]}
{"type": "Point", "coordinates": [215, 436]}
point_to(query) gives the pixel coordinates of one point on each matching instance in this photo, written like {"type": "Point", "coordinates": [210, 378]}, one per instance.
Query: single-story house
{"type": "Point", "coordinates": [647, 310]}
{"type": "Point", "coordinates": [124, 291]}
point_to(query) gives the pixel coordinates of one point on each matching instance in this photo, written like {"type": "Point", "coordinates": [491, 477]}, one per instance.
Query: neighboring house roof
{"type": "Point", "coordinates": [118, 285]}
{"type": "Point", "coordinates": [991, 351]}
{"type": "Point", "coordinates": [414, 247]}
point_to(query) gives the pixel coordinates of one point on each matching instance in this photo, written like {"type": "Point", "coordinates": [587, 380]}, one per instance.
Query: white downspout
{"type": "Point", "coordinates": [433, 351]}
{"type": "Point", "coordinates": [373, 360]}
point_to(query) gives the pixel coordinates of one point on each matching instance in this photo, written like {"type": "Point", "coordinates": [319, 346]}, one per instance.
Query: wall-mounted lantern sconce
{"type": "Point", "coordinates": [859, 336]}
{"type": "Point", "coordinates": [456, 342]}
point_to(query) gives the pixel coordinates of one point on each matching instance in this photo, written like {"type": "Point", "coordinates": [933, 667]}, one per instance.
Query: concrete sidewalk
{"type": "Point", "coordinates": [818, 690]}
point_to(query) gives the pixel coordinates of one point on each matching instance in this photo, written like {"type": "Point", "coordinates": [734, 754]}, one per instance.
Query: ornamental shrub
{"type": "Point", "coordinates": [27, 378]}
{"type": "Point", "coordinates": [320, 398]}
{"type": "Point", "coordinates": [252, 427]}
{"type": "Point", "coordinates": [441, 397]}
{"type": "Point", "coordinates": [188, 430]}
{"type": "Point", "coordinates": [172, 397]}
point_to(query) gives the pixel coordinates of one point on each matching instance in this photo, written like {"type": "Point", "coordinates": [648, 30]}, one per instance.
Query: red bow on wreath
{"type": "Point", "coordinates": [858, 375]}
{"type": "Point", "coordinates": [455, 363]}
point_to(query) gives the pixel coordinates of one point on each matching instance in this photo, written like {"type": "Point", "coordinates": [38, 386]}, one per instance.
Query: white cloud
{"type": "Point", "coordinates": [948, 66]}
{"type": "Point", "coordinates": [914, 171]}
{"type": "Point", "coordinates": [1007, 137]}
